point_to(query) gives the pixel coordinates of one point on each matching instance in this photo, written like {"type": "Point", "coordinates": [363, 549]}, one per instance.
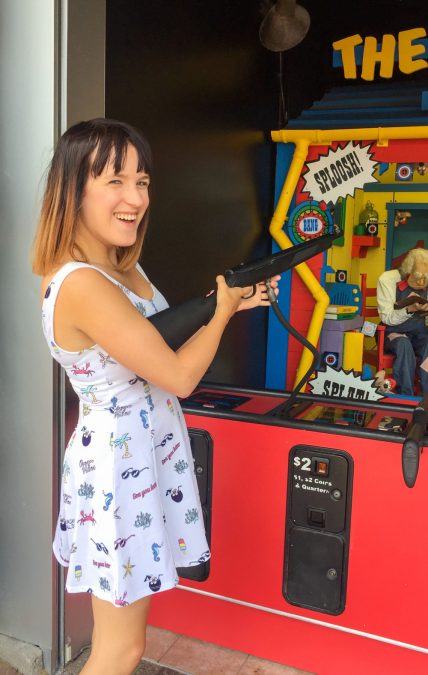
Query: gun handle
{"type": "Point", "coordinates": [178, 324]}
{"type": "Point", "coordinates": [410, 461]}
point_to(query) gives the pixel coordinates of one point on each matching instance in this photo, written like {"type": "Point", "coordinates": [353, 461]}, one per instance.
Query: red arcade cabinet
{"type": "Point", "coordinates": [319, 549]}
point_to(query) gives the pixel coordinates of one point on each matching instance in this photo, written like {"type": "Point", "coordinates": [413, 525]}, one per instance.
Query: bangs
{"type": "Point", "coordinates": [113, 146]}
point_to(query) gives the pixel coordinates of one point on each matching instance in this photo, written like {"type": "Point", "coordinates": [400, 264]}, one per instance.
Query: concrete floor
{"type": "Point", "coordinates": [169, 653]}
{"type": "Point", "coordinates": [146, 668]}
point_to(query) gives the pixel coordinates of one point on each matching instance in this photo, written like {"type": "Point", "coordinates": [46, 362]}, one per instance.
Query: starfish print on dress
{"type": "Point", "coordinates": [128, 568]}
{"type": "Point", "coordinates": [105, 359]}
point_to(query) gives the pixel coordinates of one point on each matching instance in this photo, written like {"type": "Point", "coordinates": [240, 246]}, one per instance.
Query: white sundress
{"type": "Point", "coordinates": [129, 506]}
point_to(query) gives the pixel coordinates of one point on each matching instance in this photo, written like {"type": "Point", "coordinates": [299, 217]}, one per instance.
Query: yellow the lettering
{"type": "Point", "coordinates": [407, 52]}
{"type": "Point", "coordinates": [347, 48]}
{"type": "Point", "coordinates": [385, 57]}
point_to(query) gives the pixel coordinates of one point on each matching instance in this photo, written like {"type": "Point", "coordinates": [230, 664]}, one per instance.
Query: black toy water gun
{"type": "Point", "coordinates": [412, 446]}
{"type": "Point", "coordinates": [178, 324]}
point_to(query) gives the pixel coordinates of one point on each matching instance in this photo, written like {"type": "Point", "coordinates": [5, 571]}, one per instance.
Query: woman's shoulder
{"type": "Point", "coordinates": [48, 280]}
{"type": "Point", "coordinates": [71, 274]}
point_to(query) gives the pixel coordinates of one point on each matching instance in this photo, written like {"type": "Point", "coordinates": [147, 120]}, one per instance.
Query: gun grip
{"type": "Point", "coordinates": [410, 461]}
{"type": "Point", "coordinates": [178, 324]}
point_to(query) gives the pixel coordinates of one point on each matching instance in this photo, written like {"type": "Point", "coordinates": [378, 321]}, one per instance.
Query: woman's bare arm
{"type": "Point", "coordinates": [91, 309]}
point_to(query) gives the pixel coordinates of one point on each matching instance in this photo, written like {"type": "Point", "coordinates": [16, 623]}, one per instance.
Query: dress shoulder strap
{"type": "Point", "coordinates": [52, 290]}
{"type": "Point", "coordinates": [57, 279]}
{"type": "Point", "coordinates": [142, 272]}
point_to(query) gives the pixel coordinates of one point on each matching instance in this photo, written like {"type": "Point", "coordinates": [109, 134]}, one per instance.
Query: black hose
{"type": "Point", "coordinates": [281, 318]}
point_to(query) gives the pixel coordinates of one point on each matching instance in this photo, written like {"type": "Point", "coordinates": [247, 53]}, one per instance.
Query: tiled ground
{"type": "Point", "coordinates": [172, 654]}
{"type": "Point", "coordinates": [168, 654]}
{"type": "Point", "coordinates": [203, 658]}
{"type": "Point", "coordinates": [146, 668]}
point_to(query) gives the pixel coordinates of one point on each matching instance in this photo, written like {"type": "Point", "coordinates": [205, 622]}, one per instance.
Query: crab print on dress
{"type": "Point", "coordinates": [123, 514]}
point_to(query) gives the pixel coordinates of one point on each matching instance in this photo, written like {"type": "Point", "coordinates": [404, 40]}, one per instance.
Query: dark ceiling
{"type": "Point", "coordinates": [197, 42]}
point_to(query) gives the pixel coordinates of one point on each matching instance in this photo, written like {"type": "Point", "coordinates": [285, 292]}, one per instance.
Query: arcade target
{"type": "Point", "coordinates": [309, 221]}
{"type": "Point", "coordinates": [341, 276]}
{"type": "Point", "coordinates": [331, 359]}
{"type": "Point", "coordinates": [404, 172]}
{"type": "Point", "coordinates": [371, 228]}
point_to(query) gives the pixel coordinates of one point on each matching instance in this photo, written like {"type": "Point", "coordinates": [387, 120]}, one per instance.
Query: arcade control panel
{"type": "Point", "coordinates": [308, 409]}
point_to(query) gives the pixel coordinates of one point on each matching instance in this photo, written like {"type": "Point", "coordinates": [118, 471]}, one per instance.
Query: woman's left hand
{"type": "Point", "coordinates": [260, 297]}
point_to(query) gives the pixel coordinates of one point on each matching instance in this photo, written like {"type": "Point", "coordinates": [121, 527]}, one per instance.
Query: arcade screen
{"type": "Point", "coordinates": [214, 401]}
{"type": "Point", "coordinates": [347, 417]}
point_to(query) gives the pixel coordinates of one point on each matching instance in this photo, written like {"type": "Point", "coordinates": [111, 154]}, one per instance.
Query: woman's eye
{"type": "Point", "coordinates": [115, 181]}
{"type": "Point", "coordinates": [143, 183]}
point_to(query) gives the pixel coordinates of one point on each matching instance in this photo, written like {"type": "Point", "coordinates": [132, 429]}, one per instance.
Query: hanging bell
{"type": "Point", "coordinates": [368, 221]}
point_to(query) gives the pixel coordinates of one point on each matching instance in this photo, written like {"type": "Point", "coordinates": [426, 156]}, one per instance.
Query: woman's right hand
{"type": "Point", "coordinates": [229, 299]}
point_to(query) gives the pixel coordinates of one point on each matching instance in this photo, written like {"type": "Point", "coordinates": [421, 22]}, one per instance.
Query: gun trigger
{"type": "Point", "coordinates": [250, 295]}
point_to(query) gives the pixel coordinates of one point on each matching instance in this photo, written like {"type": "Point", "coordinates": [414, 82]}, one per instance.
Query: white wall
{"type": "Point", "coordinates": [27, 124]}
{"type": "Point", "coordinates": [52, 56]}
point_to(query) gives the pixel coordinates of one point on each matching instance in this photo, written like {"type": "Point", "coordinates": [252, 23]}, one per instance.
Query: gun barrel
{"type": "Point", "coordinates": [178, 324]}
{"type": "Point", "coordinates": [264, 268]}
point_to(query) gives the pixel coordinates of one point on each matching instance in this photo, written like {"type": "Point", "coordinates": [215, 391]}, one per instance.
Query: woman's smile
{"type": "Point", "coordinates": [128, 217]}
{"type": "Point", "coordinates": [128, 220]}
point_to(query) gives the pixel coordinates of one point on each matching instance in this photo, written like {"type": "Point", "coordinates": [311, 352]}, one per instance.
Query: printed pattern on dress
{"type": "Point", "coordinates": [129, 511]}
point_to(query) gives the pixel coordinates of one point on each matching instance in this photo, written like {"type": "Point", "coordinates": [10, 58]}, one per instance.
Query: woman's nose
{"type": "Point", "coordinates": [135, 196]}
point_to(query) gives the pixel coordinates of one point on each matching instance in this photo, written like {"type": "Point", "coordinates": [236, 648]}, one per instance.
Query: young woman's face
{"type": "Point", "coordinates": [114, 204]}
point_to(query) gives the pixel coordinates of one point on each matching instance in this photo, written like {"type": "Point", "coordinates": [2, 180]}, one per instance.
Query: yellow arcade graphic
{"type": "Point", "coordinates": [302, 140]}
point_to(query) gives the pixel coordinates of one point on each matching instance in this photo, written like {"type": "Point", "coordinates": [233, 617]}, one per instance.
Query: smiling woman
{"type": "Point", "coordinates": [130, 436]}
{"type": "Point", "coordinates": [113, 206]}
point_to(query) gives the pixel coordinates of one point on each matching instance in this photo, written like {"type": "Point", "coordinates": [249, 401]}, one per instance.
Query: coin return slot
{"type": "Point", "coordinates": [316, 517]}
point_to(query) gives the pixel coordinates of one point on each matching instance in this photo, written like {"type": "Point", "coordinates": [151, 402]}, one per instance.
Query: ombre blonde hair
{"type": "Point", "coordinates": [85, 148]}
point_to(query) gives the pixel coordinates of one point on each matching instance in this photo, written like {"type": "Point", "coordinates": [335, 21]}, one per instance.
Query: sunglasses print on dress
{"type": "Point", "coordinates": [132, 472]}
{"type": "Point", "coordinates": [101, 547]}
{"type": "Point", "coordinates": [164, 441]}
{"type": "Point", "coordinates": [121, 541]}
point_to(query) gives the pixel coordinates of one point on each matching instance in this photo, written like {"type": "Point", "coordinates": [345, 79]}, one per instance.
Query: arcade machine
{"type": "Point", "coordinates": [317, 541]}
{"type": "Point", "coordinates": [315, 503]}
